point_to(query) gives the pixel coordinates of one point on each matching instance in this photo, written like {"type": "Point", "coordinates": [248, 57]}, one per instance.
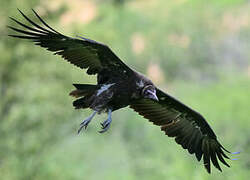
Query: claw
{"type": "Point", "coordinates": [106, 124]}
{"type": "Point", "coordinates": [84, 124]}
{"type": "Point", "coordinates": [104, 129]}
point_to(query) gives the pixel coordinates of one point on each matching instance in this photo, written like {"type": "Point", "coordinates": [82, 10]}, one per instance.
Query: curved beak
{"type": "Point", "coordinates": [153, 96]}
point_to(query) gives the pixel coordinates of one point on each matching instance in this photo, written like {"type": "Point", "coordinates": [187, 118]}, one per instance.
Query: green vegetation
{"type": "Point", "coordinates": [197, 51]}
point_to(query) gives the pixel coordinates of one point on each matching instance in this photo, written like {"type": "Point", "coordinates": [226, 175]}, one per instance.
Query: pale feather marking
{"type": "Point", "coordinates": [104, 88]}
{"type": "Point", "coordinates": [140, 84]}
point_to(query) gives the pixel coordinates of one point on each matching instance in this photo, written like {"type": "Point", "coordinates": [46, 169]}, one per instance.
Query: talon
{"type": "Point", "coordinates": [79, 130]}
{"type": "Point", "coordinates": [106, 123]}
{"type": "Point", "coordinates": [84, 124]}
{"type": "Point", "coordinates": [105, 128]}
{"type": "Point", "coordinates": [102, 124]}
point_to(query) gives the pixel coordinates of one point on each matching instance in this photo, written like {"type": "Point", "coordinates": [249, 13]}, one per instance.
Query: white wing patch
{"type": "Point", "coordinates": [104, 88]}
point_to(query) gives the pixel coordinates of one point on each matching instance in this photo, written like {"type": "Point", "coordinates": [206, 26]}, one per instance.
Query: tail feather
{"type": "Point", "coordinates": [83, 90]}
{"type": "Point", "coordinates": [81, 103]}
{"type": "Point", "coordinates": [86, 86]}
{"type": "Point", "coordinates": [78, 93]}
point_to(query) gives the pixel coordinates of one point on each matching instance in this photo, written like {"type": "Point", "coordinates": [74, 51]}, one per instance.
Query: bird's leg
{"type": "Point", "coordinates": [106, 123]}
{"type": "Point", "coordinates": [85, 122]}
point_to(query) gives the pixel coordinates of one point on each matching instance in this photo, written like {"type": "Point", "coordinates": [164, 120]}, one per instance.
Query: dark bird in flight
{"type": "Point", "coordinates": [119, 86]}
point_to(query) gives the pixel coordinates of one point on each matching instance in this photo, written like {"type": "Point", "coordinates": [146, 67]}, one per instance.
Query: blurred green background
{"type": "Point", "coordinates": [198, 51]}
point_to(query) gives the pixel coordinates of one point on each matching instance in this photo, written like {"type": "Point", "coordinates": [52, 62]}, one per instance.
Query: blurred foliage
{"type": "Point", "coordinates": [196, 50]}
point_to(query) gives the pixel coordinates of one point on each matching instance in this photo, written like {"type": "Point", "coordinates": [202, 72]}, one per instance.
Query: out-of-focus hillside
{"type": "Point", "coordinates": [197, 51]}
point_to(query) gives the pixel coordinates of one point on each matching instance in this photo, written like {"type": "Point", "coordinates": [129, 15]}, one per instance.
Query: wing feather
{"type": "Point", "coordinates": [188, 127]}
{"type": "Point", "coordinates": [82, 52]}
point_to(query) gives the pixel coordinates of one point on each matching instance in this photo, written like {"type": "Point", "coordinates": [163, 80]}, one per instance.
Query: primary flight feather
{"type": "Point", "coordinates": [119, 86]}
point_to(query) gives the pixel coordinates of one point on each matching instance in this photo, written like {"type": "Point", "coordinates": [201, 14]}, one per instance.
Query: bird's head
{"type": "Point", "coordinates": [149, 92]}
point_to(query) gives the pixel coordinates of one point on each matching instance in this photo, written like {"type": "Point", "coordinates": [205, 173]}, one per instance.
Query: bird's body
{"type": "Point", "coordinates": [114, 93]}
{"type": "Point", "coordinates": [119, 86]}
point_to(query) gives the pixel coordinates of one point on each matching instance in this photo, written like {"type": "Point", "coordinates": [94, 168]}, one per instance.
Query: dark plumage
{"type": "Point", "coordinates": [119, 86]}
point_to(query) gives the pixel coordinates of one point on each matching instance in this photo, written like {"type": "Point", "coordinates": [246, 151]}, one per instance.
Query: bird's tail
{"type": "Point", "coordinates": [85, 91]}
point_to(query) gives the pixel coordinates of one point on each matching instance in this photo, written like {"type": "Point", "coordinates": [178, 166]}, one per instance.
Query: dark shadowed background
{"type": "Point", "coordinates": [197, 51]}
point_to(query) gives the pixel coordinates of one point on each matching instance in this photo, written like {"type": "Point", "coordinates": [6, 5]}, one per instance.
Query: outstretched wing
{"type": "Point", "coordinates": [82, 52]}
{"type": "Point", "coordinates": [188, 127]}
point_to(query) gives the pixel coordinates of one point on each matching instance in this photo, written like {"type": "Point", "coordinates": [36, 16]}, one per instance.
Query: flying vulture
{"type": "Point", "coordinates": [119, 86]}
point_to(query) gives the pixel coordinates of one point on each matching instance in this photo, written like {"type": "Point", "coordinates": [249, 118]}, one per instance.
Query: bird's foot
{"type": "Point", "coordinates": [106, 123]}
{"type": "Point", "coordinates": [105, 126]}
{"type": "Point", "coordinates": [84, 123]}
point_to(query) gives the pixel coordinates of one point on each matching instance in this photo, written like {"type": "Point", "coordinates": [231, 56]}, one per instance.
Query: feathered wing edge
{"type": "Point", "coordinates": [188, 127]}
{"type": "Point", "coordinates": [82, 52]}
{"type": "Point", "coordinates": [35, 32]}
